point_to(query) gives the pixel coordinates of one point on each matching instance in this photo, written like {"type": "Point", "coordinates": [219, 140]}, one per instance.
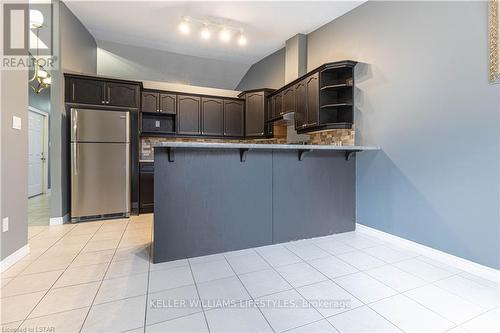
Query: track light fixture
{"type": "Point", "coordinates": [184, 26]}
{"type": "Point", "coordinates": [207, 28]}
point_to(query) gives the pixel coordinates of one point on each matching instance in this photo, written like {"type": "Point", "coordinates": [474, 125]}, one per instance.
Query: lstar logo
{"type": "Point", "coordinates": [27, 35]}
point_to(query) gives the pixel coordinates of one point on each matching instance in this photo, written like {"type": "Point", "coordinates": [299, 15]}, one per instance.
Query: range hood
{"type": "Point", "coordinates": [284, 119]}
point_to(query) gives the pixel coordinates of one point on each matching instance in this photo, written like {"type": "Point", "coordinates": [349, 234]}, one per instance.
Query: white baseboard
{"type": "Point", "coordinates": [14, 257]}
{"type": "Point", "coordinates": [59, 220]}
{"type": "Point", "coordinates": [446, 258]}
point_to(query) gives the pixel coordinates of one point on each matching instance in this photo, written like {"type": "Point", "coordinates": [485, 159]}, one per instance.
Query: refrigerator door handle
{"type": "Point", "coordinates": [75, 160]}
{"type": "Point", "coordinates": [75, 125]}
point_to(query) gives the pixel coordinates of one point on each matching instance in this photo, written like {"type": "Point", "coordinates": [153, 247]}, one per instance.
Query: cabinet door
{"type": "Point", "coordinates": [122, 94]}
{"type": "Point", "coordinates": [168, 103]}
{"type": "Point", "coordinates": [212, 113]}
{"type": "Point", "coordinates": [188, 115]}
{"type": "Point", "coordinates": [234, 121]}
{"type": "Point", "coordinates": [87, 91]}
{"type": "Point", "coordinates": [300, 105]}
{"type": "Point", "coordinates": [312, 90]}
{"type": "Point", "coordinates": [146, 186]}
{"type": "Point", "coordinates": [254, 114]}
{"type": "Point", "coordinates": [150, 101]}
{"type": "Point", "coordinates": [277, 106]}
{"type": "Point", "coordinates": [289, 100]}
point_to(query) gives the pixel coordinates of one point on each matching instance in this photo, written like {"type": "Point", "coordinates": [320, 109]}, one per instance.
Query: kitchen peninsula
{"type": "Point", "coordinates": [217, 197]}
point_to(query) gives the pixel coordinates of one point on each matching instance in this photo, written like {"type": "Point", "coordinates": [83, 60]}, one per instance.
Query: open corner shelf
{"type": "Point", "coordinates": [336, 106]}
{"type": "Point", "coordinates": [336, 86]}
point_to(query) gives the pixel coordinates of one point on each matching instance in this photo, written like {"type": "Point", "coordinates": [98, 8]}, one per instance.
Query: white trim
{"type": "Point", "coordinates": [59, 220]}
{"type": "Point", "coordinates": [43, 113]}
{"type": "Point", "coordinates": [14, 257]}
{"type": "Point", "coordinates": [446, 258]}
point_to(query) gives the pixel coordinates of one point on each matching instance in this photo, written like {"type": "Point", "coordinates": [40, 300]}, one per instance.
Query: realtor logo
{"type": "Point", "coordinates": [27, 34]}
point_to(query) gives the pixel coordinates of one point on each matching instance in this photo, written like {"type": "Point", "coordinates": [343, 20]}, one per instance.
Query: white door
{"type": "Point", "coordinates": [36, 156]}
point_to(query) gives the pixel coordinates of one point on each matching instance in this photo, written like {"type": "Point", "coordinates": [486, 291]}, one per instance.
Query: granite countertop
{"type": "Point", "coordinates": [206, 145]}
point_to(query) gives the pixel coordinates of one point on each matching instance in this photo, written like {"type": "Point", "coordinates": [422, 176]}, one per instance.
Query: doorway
{"type": "Point", "coordinates": [38, 188]}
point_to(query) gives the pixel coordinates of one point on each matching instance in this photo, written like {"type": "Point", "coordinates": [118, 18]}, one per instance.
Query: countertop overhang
{"type": "Point", "coordinates": [205, 145]}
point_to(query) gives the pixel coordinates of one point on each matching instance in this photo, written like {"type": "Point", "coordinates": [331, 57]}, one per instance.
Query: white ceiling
{"type": "Point", "coordinates": [153, 24]}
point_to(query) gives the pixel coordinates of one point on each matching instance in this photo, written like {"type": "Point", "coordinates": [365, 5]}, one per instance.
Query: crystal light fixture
{"type": "Point", "coordinates": [41, 78]}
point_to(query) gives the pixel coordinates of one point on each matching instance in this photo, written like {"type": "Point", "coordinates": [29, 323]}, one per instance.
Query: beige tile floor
{"type": "Point", "coordinates": [97, 277]}
{"type": "Point", "coordinates": [39, 210]}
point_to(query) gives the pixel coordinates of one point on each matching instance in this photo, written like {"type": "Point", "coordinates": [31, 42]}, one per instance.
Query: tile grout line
{"type": "Point", "coordinates": [475, 317]}
{"type": "Point", "coordinates": [64, 271]}
{"type": "Point", "coordinates": [293, 288]}
{"type": "Point", "coordinates": [38, 257]}
{"type": "Point", "coordinates": [397, 291]}
{"type": "Point", "coordinates": [199, 298]}
{"type": "Point", "coordinates": [328, 278]}
{"type": "Point", "coordinates": [248, 292]}
{"type": "Point", "coordinates": [150, 257]}
{"type": "Point", "coordinates": [102, 280]}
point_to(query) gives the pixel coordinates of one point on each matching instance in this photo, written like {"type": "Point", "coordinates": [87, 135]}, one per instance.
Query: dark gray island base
{"type": "Point", "coordinates": [212, 198]}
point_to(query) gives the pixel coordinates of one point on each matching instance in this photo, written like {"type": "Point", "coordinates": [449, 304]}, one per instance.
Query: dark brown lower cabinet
{"type": "Point", "coordinates": [146, 187]}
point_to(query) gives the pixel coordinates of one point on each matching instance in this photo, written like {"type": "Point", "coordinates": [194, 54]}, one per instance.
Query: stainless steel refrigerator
{"type": "Point", "coordinates": [100, 164]}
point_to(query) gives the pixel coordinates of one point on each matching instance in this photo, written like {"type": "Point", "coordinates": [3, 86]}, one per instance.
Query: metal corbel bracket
{"type": "Point", "coordinates": [243, 154]}
{"type": "Point", "coordinates": [170, 153]}
{"type": "Point", "coordinates": [302, 152]}
{"type": "Point", "coordinates": [349, 153]}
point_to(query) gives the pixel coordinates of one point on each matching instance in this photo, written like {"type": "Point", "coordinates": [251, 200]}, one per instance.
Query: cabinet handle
{"type": "Point", "coordinates": [107, 102]}
{"type": "Point", "coordinates": [102, 101]}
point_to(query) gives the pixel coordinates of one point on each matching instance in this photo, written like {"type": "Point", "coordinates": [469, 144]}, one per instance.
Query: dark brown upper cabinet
{"type": "Point", "coordinates": [300, 105]}
{"type": "Point", "coordinates": [254, 114]}
{"type": "Point", "coordinates": [312, 93]}
{"type": "Point", "coordinates": [150, 101]}
{"type": "Point", "coordinates": [188, 115]}
{"type": "Point", "coordinates": [277, 106]}
{"type": "Point", "coordinates": [288, 100]}
{"type": "Point", "coordinates": [168, 103]}
{"type": "Point", "coordinates": [122, 94]}
{"type": "Point", "coordinates": [86, 91]}
{"type": "Point", "coordinates": [212, 111]}
{"type": "Point", "coordinates": [234, 118]}
{"type": "Point", "coordinates": [101, 92]}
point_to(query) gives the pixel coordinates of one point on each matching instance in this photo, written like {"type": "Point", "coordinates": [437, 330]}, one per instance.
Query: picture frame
{"type": "Point", "coordinates": [494, 40]}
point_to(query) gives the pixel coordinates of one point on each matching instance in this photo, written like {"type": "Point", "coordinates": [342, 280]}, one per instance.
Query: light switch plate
{"type": "Point", "coordinates": [16, 122]}
{"type": "Point", "coordinates": [5, 224]}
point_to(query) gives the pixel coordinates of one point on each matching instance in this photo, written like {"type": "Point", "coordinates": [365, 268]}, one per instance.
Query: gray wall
{"type": "Point", "coordinates": [14, 160]}
{"type": "Point", "coordinates": [423, 96]}
{"type": "Point", "coordinates": [267, 73]}
{"type": "Point", "coordinates": [138, 63]}
{"type": "Point", "coordinates": [76, 49]}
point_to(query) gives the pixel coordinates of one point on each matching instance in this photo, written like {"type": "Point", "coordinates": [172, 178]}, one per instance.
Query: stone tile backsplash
{"type": "Point", "coordinates": [338, 137]}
